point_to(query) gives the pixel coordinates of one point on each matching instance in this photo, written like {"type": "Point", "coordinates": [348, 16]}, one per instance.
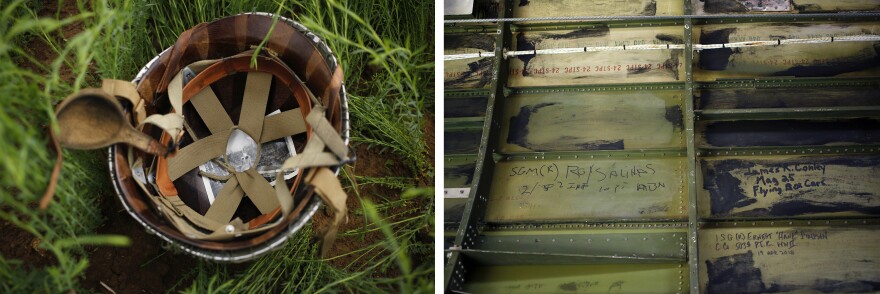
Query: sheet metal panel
{"type": "Point", "coordinates": [538, 8]}
{"type": "Point", "coordinates": [588, 189]}
{"type": "Point", "coordinates": [782, 6]}
{"type": "Point", "coordinates": [573, 121]}
{"type": "Point", "coordinates": [468, 73]}
{"type": "Point", "coordinates": [609, 67]}
{"type": "Point", "coordinates": [790, 186]}
{"type": "Point", "coordinates": [811, 259]}
{"type": "Point", "coordinates": [842, 59]}
{"type": "Point", "coordinates": [607, 278]}
{"type": "Point", "coordinates": [797, 121]}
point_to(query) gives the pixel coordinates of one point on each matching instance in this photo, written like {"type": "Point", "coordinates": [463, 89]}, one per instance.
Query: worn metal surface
{"type": "Point", "coordinates": [593, 121]}
{"type": "Point", "coordinates": [458, 178]}
{"type": "Point", "coordinates": [777, 6]}
{"type": "Point", "coordinates": [848, 59]}
{"type": "Point", "coordinates": [468, 73]}
{"type": "Point", "coordinates": [605, 278]}
{"type": "Point", "coordinates": [551, 115]}
{"type": "Point", "coordinates": [538, 8]}
{"type": "Point", "coordinates": [584, 246]}
{"type": "Point", "coordinates": [458, 7]}
{"type": "Point", "coordinates": [807, 259]}
{"type": "Point", "coordinates": [788, 132]}
{"type": "Point", "coordinates": [588, 189]}
{"type": "Point", "coordinates": [790, 186]}
{"type": "Point", "coordinates": [597, 67]}
{"type": "Point", "coordinates": [788, 98]}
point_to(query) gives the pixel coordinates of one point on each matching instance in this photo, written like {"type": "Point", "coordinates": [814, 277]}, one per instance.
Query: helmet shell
{"type": "Point", "coordinates": [132, 198]}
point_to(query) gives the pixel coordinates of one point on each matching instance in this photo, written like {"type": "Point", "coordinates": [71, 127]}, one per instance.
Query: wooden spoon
{"type": "Point", "coordinates": [91, 119]}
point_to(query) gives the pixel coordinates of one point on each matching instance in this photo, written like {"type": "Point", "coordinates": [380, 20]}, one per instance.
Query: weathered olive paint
{"type": "Point", "coordinates": [600, 278]}
{"type": "Point", "coordinates": [468, 73]}
{"type": "Point", "coordinates": [558, 118]}
{"type": "Point", "coordinates": [837, 59]}
{"type": "Point", "coordinates": [542, 8]}
{"type": "Point", "coordinates": [573, 121]}
{"type": "Point", "coordinates": [790, 259]}
{"type": "Point", "coordinates": [588, 189]}
{"type": "Point", "coordinates": [606, 67]}
{"type": "Point", "coordinates": [787, 186]}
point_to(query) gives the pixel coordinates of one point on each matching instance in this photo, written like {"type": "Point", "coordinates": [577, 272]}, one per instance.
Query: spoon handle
{"type": "Point", "coordinates": [142, 141]}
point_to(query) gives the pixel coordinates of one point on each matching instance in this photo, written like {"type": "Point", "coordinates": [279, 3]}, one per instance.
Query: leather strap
{"type": "Point", "coordinates": [53, 179]}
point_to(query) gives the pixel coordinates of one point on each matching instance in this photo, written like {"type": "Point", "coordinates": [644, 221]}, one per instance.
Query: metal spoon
{"type": "Point", "coordinates": [92, 119]}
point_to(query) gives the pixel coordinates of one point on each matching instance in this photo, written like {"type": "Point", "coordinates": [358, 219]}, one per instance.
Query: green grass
{"type": "Point", "coordinates": [25, 160]}
{"type": "Point", "coordinates": [388, 65]}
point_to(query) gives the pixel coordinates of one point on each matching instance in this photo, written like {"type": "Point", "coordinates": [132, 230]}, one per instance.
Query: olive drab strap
{"type": "Point", "coordinates": [127, 90]}
{"type": "Point", "coordinates": [254, 123]}
{"type": "Point", "coordinates": [328, 187]}
{"type": "Point", "coordinates": [326, 183]}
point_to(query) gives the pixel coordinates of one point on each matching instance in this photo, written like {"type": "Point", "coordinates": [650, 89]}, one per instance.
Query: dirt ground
{"type": "Point", "coordinates": [145, 267]}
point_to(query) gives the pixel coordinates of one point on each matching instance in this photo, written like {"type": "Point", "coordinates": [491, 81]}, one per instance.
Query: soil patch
{"type": "Point", "coordinates": [42, 51]}
{"type": "Point", "coordinates": [23, 246]}
{"type": "Point", "coordinates": [143, 267]}
{"type": "Point", "coordinates": [370, 163]}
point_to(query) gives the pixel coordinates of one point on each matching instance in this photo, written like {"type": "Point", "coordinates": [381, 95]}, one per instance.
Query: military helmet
{"type": "Point", "coordinates": [257, 126]}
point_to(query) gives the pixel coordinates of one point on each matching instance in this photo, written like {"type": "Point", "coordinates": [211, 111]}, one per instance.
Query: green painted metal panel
{"type": "Point", "coordinates": [790, 186]}
{"type": "Point", "coordinates": [788, 98]}
{"type": "Point", "coordinates": [802, 259]}
{"type": "Point", "coordinates": [593, 121]}
{"type": "Point", "coordinates": [604, 67]}
{"type": "Point", "coordinates": [607, 278]}
{"type": "Point", "coordinates": [567, 190]}
{"type": "Point", "coordinates": [838, 59]}
{"type": "Point", "coordinates": [589, 246]}
{"type": "Point", "coordinates": [598, 8]}
{"type": "Point", "coordinates": [539, 220]}
{"type": "Point", "coordinates": [468, 73]}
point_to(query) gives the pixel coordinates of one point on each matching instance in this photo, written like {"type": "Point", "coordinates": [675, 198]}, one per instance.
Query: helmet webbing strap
{"type": "Point", "coordinates": [326, 183]}
{"type": "Point", "coordinates": [253, 122]}
{"type": "Point", "coordinates": [287, 123]}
